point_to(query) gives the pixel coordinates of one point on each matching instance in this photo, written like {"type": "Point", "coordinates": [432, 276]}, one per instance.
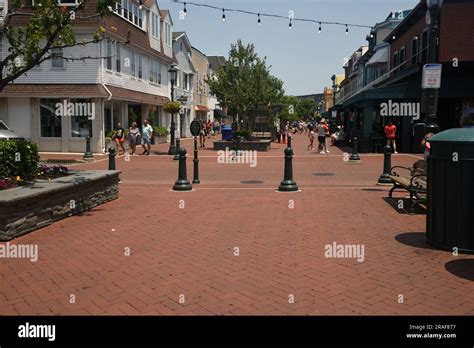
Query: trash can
{"type": "Point", "coordinates": [226, 132]}
{"type": "Point", "coordinates": [450, 216]}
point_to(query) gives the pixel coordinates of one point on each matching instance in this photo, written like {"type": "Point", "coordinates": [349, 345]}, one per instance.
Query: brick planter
{"type": "Point", "coordinates": [27, 208]}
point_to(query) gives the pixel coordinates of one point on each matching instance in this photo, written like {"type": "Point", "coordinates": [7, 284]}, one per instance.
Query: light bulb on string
{"type": "Point", "coordinates": [223, 15]}
{"type": "Point", "coordinates": [290, 25]}
{"type": "Point", "coordinates": [319, 30]}
{"type": "Point", "coordinates": [185, 11]}
{"type": "Point", "coordinates": [347, 30]}
{"type": "Point", "coordinates": [259, 21]}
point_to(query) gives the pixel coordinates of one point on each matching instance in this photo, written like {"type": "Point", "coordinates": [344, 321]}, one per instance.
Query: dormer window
{"type": "Point", "coordinates": [130, 11]}
{"type": "Point", "coordinates": [155, 25]}
{"type": "Point", "coordinates": [168, 34]}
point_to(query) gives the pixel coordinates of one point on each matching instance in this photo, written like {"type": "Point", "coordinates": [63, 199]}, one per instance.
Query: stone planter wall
{"type": "Point", "coordinates": [160, 140]}
{"type": "Point", "coordinates": [27, 208]}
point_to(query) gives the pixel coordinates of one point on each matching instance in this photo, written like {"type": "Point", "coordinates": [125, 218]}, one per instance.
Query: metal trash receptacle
{"type": "Point", "coordinates": [450, 180]}
{"type": "Point", "coordinates": [227, 132]}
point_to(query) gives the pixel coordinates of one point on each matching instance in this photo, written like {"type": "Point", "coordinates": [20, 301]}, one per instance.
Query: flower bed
{"type": "Point", "coordinates": [19, 165]}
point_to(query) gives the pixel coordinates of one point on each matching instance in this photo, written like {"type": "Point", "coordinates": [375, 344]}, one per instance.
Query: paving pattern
{"type": "Point", "coordinates": [240, 248]}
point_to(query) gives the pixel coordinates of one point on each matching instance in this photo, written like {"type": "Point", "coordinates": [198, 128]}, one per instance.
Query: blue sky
{"type": "Point", "coordinates": [302, 58]}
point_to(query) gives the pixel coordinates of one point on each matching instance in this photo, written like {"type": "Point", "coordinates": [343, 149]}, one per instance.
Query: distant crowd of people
{"type": "Point", "coordinates": [144, 137]}
{"type": "Point", "coordinates": [313, 129]}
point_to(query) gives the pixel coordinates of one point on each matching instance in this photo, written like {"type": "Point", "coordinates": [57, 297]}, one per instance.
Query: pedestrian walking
{"type": "Point", "coordinates": [322, 130]}
{"type": "Point", "coordinates": [216, 126]}
{"type": "Point", "coordinates": [202, 135]}
{"type": "Point", "coordinates": [119, 137]}
{"type": "Point", "coordinates": [312, 136]}
{"type": "Point", "coordinates": [133, 137]}
{"type": "Point", "coordinates": [390, 133]}
{"type": "Point", "coordinates": [283, 135]}
{"type": "Point", "coordinates": [208, 128]}
{"type": "Point", "coordinates": [147, 133]}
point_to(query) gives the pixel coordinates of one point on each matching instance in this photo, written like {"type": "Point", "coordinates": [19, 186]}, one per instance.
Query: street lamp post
{"type": "Point", "coordinates": [430, 95]}
{"type": "Point", "coordinates": [172, 150]}
{"type": "Point", "coordinates": [334, 90]}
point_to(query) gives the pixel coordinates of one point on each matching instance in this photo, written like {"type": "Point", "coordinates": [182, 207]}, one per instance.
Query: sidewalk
{"type": "Point", "coordinates": [240, 248]}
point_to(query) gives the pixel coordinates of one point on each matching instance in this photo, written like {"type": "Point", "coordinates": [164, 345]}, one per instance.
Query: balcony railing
{"type": "Point", "coordinates": [346, 92]}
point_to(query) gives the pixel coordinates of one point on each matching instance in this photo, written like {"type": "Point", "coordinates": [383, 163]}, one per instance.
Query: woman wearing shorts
{"type": "Point", "coordinates": [119, 137]}
{"type": "Point", "coordinates": [134, 137]}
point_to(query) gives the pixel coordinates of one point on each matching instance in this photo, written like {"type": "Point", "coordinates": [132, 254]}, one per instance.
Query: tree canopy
{"type": "Point", "coordinates": [245, 82]}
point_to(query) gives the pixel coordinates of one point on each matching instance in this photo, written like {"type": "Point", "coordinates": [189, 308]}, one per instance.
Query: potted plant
{"type": "Point", "coordinates": [172, 107]}
{"type": "Point", "coordinates": [160, 133]}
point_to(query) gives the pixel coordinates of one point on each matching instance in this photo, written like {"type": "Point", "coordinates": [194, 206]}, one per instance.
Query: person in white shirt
{"type": "Point", "coordinates": [147, 133]}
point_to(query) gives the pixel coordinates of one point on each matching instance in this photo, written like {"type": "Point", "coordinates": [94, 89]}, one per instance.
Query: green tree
{"type": "Point", "coordinates": [48, 26]}
{"type": "Point", "coordinates": [305, 108]}
{"type": "Point", "coordinates": [289, 109]}
{"type": "Point", "coordinates": [245, 81]}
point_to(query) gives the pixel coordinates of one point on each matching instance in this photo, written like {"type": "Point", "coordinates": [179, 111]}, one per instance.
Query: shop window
{"type": "Point", "coordinates": [81, 119]}
{"type": "Point", "coordinates": [50, 120]}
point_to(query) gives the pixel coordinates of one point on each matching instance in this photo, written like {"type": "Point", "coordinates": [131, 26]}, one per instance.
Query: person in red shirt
{"type": "Point", "coordinates": [390, 133]}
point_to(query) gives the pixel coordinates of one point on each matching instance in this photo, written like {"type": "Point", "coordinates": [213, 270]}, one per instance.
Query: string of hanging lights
{"type": "Point", "coordinates": [260, 15]}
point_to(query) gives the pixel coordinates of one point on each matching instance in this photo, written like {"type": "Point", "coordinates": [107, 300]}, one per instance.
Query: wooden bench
{"type": "Point", "coordinates": [414, 182]}
{"type": "Point", "coordinates": [262, 135]}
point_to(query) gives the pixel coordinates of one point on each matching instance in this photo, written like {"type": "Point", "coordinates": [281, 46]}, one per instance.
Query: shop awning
{"type": "Point", "coordinates": [380, 56]}
{"type": "Point", "coordinates": [135, 96]}
{"type": "Point", "coordinates": [202, 108]}
{"type": "Point", "coordinates": [54, 90]}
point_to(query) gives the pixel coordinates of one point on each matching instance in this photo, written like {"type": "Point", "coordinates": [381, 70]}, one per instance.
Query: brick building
{"type": "Point", "coordinates": [408, 50]}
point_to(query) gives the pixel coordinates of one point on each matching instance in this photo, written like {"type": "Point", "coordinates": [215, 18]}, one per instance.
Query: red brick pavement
{"type": "Point", "coordinates": [191, 251]}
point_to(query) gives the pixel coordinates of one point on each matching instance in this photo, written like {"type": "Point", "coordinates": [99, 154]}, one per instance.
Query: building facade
{"type": "Point", "coordinates": [201, 89]}
{"type": "Point", "coordinates": [129, 84]}
{"type": "Point", "coordinates": [393, 74]}
{"type": "Point", "coordinates": [184, 85]}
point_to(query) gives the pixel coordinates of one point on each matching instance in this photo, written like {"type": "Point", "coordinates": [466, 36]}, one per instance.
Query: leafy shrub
{"type": "Point", "coordinates": [160, 131]}
{"type": "Point", "coordinates": [18, 158]}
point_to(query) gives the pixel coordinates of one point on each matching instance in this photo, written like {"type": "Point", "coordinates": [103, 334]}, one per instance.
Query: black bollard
{"type": "Point", "coordinates": [182, 184]}
{"type": "Point", "coordinates": [355, 155]}
{"type": "Point", "coordinates": [196, 163]}
{"type": "Point", "coordinates": [384, 178]}
{"type": "Point", "coordinates": [112, 158]}
{"type": "Point", "coordinates": [289, 139]}
{"type": "Point", "coordinates": [288, 184]}
{"type": "Point", "coordinates": [178, 146]}
{"type": "Point", "coordinates": [88, 156]}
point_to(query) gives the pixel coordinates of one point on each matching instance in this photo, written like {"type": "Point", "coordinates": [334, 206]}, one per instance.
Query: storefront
{"type": "Point", "coordinates": [59, 118]}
